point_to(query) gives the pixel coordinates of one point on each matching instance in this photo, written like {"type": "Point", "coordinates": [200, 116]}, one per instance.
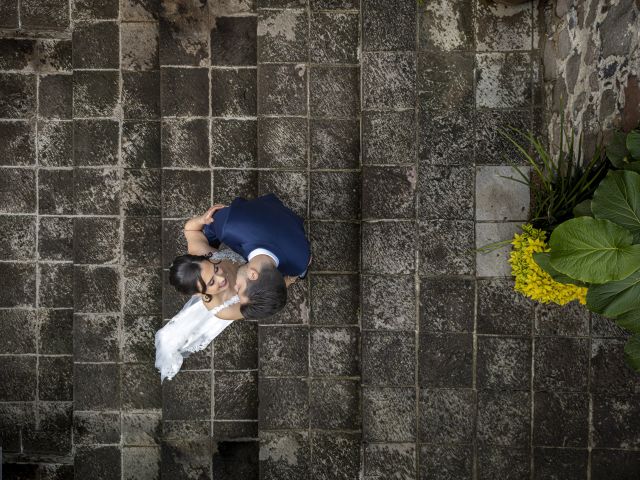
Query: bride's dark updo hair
{"type": "Point", "coordinates": [184, 274]}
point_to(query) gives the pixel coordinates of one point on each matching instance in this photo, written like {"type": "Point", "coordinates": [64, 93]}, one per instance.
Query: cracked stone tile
{"type": "Point", "coordinates": [561, 419]}
{"type": "Point", "coordinates": [499, 198]}
{"type": "Point", "coordinates": [446, 25]}
{"type": "Point", "coordinates": [446, 461]}
{"type": "Point", "coordinates": [388, 80]}
{"type": "Point", "coordinates": [446, 192]}
{"type": "Point", "coordinates": [284, 454]}
{"type": "Point", "coordinates": [185, 143]}
{"type": "Point", "coordinates": [96, 45]}
{"type": "Point", "coordinates": [55, 192]}
{"type": "Point", "coordinates": [494, 263]}
{"type": "Point", "coordinates": [503, 462]}
{"type": "Point", "coordinates": [283, 35]}
{"type": "Point", "coordinates": [335, 143]}
{"type": "Point", "coordinates": [561, 363]}
{"type": "Point", "coordinates": [388, 358]}
{"type": "Point", "coordinates": [503, 80]}
{"type": "Point", "coordinates": [503, 27]}
{"type": "Point", "coordinates": [386, 460]}
{"type": "Point", "coordinates": [447, 416]}
{"type": "Point", "coordinates": [282, 142]}
{"type": "Point", "coordinates": [139, 46]}
{"type": "Point", "coordinates": [389, 414]}
{"type": "Point", "coordinates": [503, 418]}
{"type": "Point", "coordinates": [335, 455]}
{"type": "Point", "coordinates": [233, 92]}
{"type": "Point", "coordinates": [388, 137]}
{"type": "Point", "coordinates": [388, 247]}
{"type": "Point", "coordinates": [503, 363]}
{"type": "Point", "coordinates": [437, 313]}
{"type": "Point", "coordinates": [388, 302]}
{"type": "Point", "coordinates": [55, 143]}
{"type": "Point", "coordinates": [233, 41]}
{"type": "Point", "coordinates": [334, 299]}
{"type": "Point", "coordinates": [335, 195]}
{"type": "Point", "coordinates": [334, 404]}
{"type": "Point", "coordinates": [380, 33]}
{"type": "Point", "coordinates": [562, 463]}
{"type": "Point", "coordinates": [446, 247]}
{"type": "Point", "coordinates": [233, 143]}
{"type": "Point", "coordinates": [333, 37]}
{"type": "Point", "coordinates": [283, 90]}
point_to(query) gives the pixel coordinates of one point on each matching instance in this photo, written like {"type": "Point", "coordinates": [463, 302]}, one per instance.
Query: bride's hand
{"type": "Point", "coordinates": [207, 218]}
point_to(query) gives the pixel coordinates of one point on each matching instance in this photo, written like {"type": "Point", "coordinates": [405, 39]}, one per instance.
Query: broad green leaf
{"type": "Point", "coordinates": [617, 149]}
{"type": "Point", "coordinates": [583, 209]}
{"type": "Point", "coordinates": [615, 298]}
{"type": "Point", "coordinates": [633, 144]}
{"type": "Point", "coordinates": [632, 352]}
{"type": "Point", "coordinates": [593, 250]}
{"type": "Point", "coordinates": [632, 166]}
{"type": "Point", "coordinates": [617, 198]}
{"type": "Point", "coordinates": [543, 259]}
{"type": "Point", "coordinates": [630, 320]}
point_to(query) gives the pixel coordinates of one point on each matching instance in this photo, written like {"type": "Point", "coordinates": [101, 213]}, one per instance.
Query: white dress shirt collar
{"type": "Point", "coordinates": [264, 251]}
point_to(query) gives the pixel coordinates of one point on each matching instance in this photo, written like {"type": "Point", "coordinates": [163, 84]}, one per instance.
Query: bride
{"type": "Point", "coordinates": [209, 275]}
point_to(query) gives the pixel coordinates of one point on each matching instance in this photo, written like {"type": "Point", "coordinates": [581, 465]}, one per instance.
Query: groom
{"type": "Point", "coordinates": [272, 239]}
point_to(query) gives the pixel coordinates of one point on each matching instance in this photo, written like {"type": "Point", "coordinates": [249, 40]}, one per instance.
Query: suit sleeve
{"type": "Point", "coordinates": [210, 233]}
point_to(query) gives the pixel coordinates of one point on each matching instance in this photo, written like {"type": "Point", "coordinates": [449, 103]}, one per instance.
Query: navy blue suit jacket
{"type": "Point", "coordinates": [263, 222]}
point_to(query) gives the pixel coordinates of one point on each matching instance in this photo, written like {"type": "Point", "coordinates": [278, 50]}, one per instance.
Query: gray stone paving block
{"type": "Point", "coordinates": [96, 45]}
{"type": "Point", "coordinates": [18, 284]}
{"type": "Point", "coordinates": [56, 328]}
{"type": "Point", "coordinates": [55, 96]}
{"type": "Point", "coordinates": [54, 17]}
{"type": "Point", "coordinates": [615, 421]}
{"type": "Point", "coordinates": [561, 419]}
{"type": "Point", "coordinates": [96, 289]}
{"type": "Point", "coordinates": [554, 463]}
{"type": "Point", "coordinates": [334, 404]}
{"type": "Point", "coordinates": [238, 459]}
{"type": "Point", "coordinates": [96, 386]}
{"type": "Point", "coordinates": [229, 184]}
{"type": "Point", "coordinates": [290, 187]}
{"type": "Point", "coordinates": [185, 143]}
{"type": "Point", "coordinates": [333, 37]}
{"type": "Point", "coordinates": [136, 253]}
{"type": "Point", "coordinates": [181, 44]}
{"type": "Point", "coordinates": [388, 80]}
{"type": "Point", "coordinates": [501, 310]}
{"type": "Point", "coordinates": [236, 347]}
{"type": "Point", "coordinates": [55, 55]}
{"type": "Point", "coordinates": [503, 363]}
{"type": "Point", "coordinates": [235, 395]}
{"type": "Point", "coordinates": [296, 311]}
{"type": "Point", "coordinates": [56, 285]}
{"type": "Point", "coordinates": [233, 92]}
{"type": "Point", "coordinates": [184, 91]}
{"type": "Point", "coordinates": [53, 435]}
{"type": "Point", "coordinates": [95, 240]}
{"type": "Point", "coordinates": [496, 262]}
{"type": "Point", "coordinates": [141, 192]}
{"type": "Point", "coordinates": [139, 46]}
{"type": "Point", "coordinates": [233, 41]}
{"type": "Point", "coordinates": [335, 195]}
{"type": "Point", "coordinates": [335, 246]}
{"type": "Point", "coordinates": [189, 459]}
{"type": "Point", "coordinates": [388, 303]}
{"type": "Point", "coordinates": [176, 431]}
{"type": "Point", "coordinates": [55, 378]}
{"type": "Point", "coordinates": [9, 14]}
{"type": "Point", "coordinates": [328, 4]}
{"type": "Point", "coordinates": [283, 35]}
{"type": "Point", "coordinates": [284, 455]}
{"type": "Point", "coordinates": [503, 80]}
{"type": "Point", "coordinates": [95, 142]}
{"type": "Point", "coordinates": [445, 360]}
{"type": "Point", "coordinates": [561, 363]}
{"type": "Point", "coordinates": [446, 462]}
{"type": "Point", "coordinates": [55, 238]}
{"type": "Point", "coordinates": [140, 144]}
{"type": "Point", "coordinates": [17, 193]}
{"type": "Point", "coordinates": [55, 144]}
{"type": "Point", "coordinates": [380, 33]}
{"type": "Point", "coordinates": [499, 198]}
{"type": "Point", "coordinates": [445, 137]}
{"type": "Point", "coordinates": [503, 418]}
{"type": "Point", "coordinates": [283, 351]}
{"type": "Point", "coordinates": [491, 147]}
{"type": "Point", "coordinates": [388, 192]}
{"type": "Point", "coordinates": [13, 418]}
{"type": "Point", "coordinates": [283, 90]}
{"type": "Point", "coordinates": [503, 462]}
{"type": "Point", "coordinates": [446, 192]}
{"type": "Point", "coordinates": [282, 143]}
{"type": "Point", "coordinates": [19, 237]}
{"type": "Point", "coordinates": [18, 375]}
{"type": "Point", "coordinates": [97, 191]}
{"type": "Point", "coordinates": [234, 430]}
{"type": "Point", "coordinates": [334, 299]}
{"type": "Point", "coordinates": [388, 247]}
{"type": "Point", "coordinates": [233, 143]}
{"type": "Point", "coordinates": [387, 460]}
{"type": "Point", "coordinates": [612, 463]}
{"type": "Point", "coordinates": [101, 463]}
{"type": "Point", "coordinates": [141, 463]}
{"type": "Point", "coordinates": [609, 372]}
{"type": "Point", "coordinates": [173, 242]}
{"type": "Point", "coordinates": [96, 338]}
{"type": "Point", "coordinates": [186, 396]}
{"type": "Point", "coordinates": [334, 351]}
{"type": "Point", "coordinates": [438, 313]}
{"type": "Point", "coordinates": [56, 192]}
{"type": "Point", "coordinates": [504, 27]}
{"type": "Point", "coordinates": [446, 416]}
{"type": "Point", "coordinates": [567, 320]}
{"type": "Point", "coordinates": [388, 137]}
{"type": "Point", "coordinates": [388, 358]}
{"type": "Point", "coordinates": [19, 95]}
{"type": "Point", "coordinates": [185, 192]}
{"type": "Point", "coordinates": [335, 143]}
{"type": "Point", "coordinates": [138, 337]}
{"type": "Point", "coordinates": [446, 25]}
{"type": "Point", "coordinates": [447, 78]}
{"type": "Point", "coordinates": [389, 414]}
{"type": "Point", "coordinates": [17, 53]}
{"type": "Point", "coordinates": [446, 247]}
{"type": "Point", "coordinates": [141, 388]}
{"type": "Point", "coordinates": [141, 94]}
{"type": "Point", "coordinates": [336, 456]}
{"type": "Point", "coordinates": [91, 428]}
{"type": "Point", "coordinates": [334, 91]}
{"type": "Point", "coordinates": [283, 403]}
{"type": "Point", "coordinates": [18, 331]}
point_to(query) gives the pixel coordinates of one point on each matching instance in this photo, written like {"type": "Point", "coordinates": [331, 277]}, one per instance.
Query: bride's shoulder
{"type": "Point", "coordinates": [230, 313]}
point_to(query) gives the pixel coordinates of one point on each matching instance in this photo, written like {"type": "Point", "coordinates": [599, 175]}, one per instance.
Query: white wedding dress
{"type": "Point", "coordinates": [193, 328]}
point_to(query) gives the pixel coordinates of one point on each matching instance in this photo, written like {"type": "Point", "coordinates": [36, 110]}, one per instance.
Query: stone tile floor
{"type": "Point", "coordinates": [401, 356]}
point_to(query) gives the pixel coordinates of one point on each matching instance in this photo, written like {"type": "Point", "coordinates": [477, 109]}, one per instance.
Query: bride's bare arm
{"type": "Point", "coordinates": [197, 243]}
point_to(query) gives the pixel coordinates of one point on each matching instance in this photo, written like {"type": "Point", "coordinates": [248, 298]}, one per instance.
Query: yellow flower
{"type": "Point", "coordinates": [531, 280]}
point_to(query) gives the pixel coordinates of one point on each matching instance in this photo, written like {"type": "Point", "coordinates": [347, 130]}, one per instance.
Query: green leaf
{"type": "Point", "coordinates": [617, 198]}
{"type": "Point", "coordinates": [632, 166]}
{"type": "Point", "coordinates": [543, 259]}
{"type": "Point", "coordinates": [633, 144]}
{"type": "Point", "coordinates": [593, 250]}
{"type": "Point", "coordinates": [632, 352]}
{"type": "Point", "coordinates": [617, 149]}
{"type": "Point", "coordinates": [630, 320]}
{"type": "Point", "coordinates": [615, 298]}
{"type": "Point", "coordinates": [583, 209]}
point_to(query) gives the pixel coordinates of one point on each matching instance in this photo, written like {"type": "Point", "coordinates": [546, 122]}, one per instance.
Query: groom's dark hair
{"type": "Point", "coordinates": [267, 294]}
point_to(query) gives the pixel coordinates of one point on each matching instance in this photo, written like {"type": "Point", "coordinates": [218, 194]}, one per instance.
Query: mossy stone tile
{"type": "Point", "coordinates": [140, 48]}
{"type": "Point", "coordinates": [47, 15]}
{"type": "Point", "coordinates": [229, 184]}
{"type": "Point", "coordinates": [138, 337]}
{"type": "Point", "coordinates": [609, 372]}
{"type": "Point", "coordinates": [388, 80]}
{"type": "Point", "coordinates": [18, 330]}
{"type": "Point", "coordinates": [95, 142]}
{"type": "Point", "coordinates": [236, 395]}
{"type": "Point", "coordinates": [184, 36]}
{"type": "Point", "coordinates": [185, 192]}
{"type": "Point", "coordinates": [388, 358]}
{"type": "Point", "coordinates": [236, 348]}
{"type": "Point", "coordinates": [95, 10]}
{"type": "Point", "coordinates": [55, 96]}
{"type": "Point", "coordinates": [184, 91]}
{"type": "Point", "coordinates": [570, 464]}
{"type": "Point", "coordinates": [334, 144]}
{"type": "Point", "coordinates": [283, 90]}
{"type": "Point", "coordinates": [333, 37]}
{"type": "Point", "coordinates": [96, 240]}
{"type": "Point", "coordinates": [141, 388]}
{"type": "Point", "coordinates": [335, 195]}
{"type": "Point", "coordinates": [90, 428]}
{"type": "Point", "coordinates": [233, 41]}
{"type": "Point", "coordinates": [497, 462]}
{"type": "Point", "coordinates": [334, 351]}
{"type": "Point", "coordinates": [334, 404]}
{"type": "Point", "coordinates": [388, 192]}
{"type": "Point", "coordinates": [56, 331]}
{"type": "Point", "coordinates": [380, 32]}
{"type": "Point", "coordinates": [501, 310]}
{"type": "Point", "coordinates": [388, 138]}
{"type": "Point", "coordinates": [446, 192]}
{"type": "Point", "coordinates": [141, 192]}
{"type": "Point", "coordinates": [141, 94]}
{"type": "Point", "coordinates": [95, 93]}
{"type": "Point", "coordinates": [98, 462]}
{"type": "Point", "coordinates": [19, 95]}
{"type": "Point", "coordinates": [561, 364]}
{"type": "Point", "coordinates": [334, 299]}
{"type": "Point", "coordinates": [282, 142]}
{"type": "Point", "coordinates": [389, 459]}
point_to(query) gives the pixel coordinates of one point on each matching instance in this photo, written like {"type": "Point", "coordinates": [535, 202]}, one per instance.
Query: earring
{"type": "Point", "coordinates": [207, 298]}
